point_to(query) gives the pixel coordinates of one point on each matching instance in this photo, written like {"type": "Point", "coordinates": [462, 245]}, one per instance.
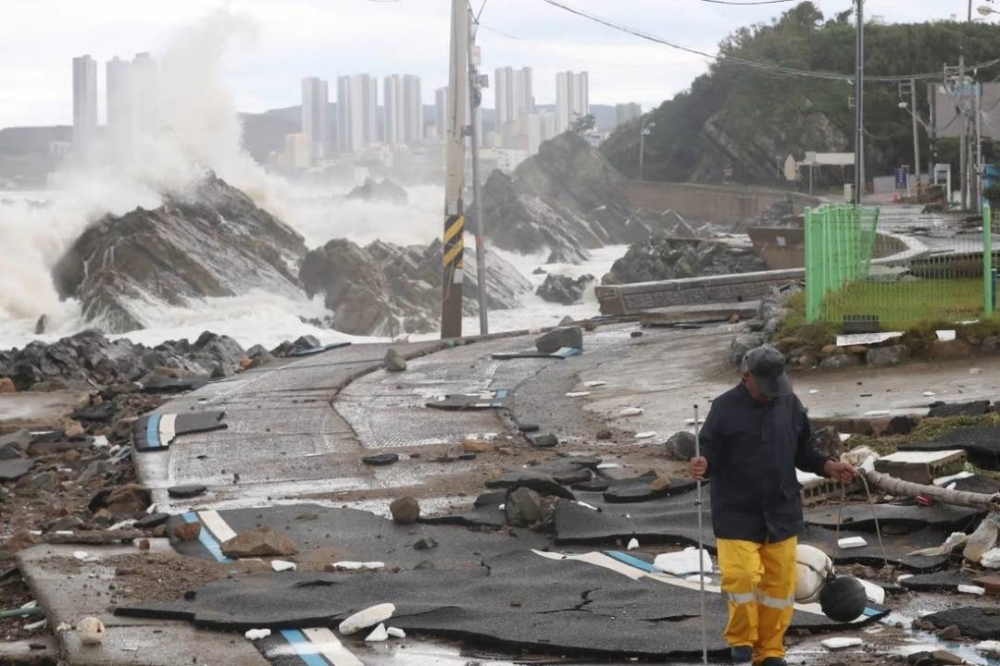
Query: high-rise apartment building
{"type": "Point", "coordinates": [572, 98]}
{"type": "Point", "coordinates": [514, 94]}
{"type": "Point", "coordinates": [146, 93]}
{"type": "Point", "coordinates": [404, 109]}
{"type": "Point", "coordinates": [84, 106]}
{"type": "Point", "coordinates": [315, 100]}
{"type": "Point", "coordinates": [120, 102]}
{"type": "Point", "coordinates": [441, 112]}
{"type": "Point", "coordinates": [357, 112]}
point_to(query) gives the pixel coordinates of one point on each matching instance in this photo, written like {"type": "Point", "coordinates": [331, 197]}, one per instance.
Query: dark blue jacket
{"type": "Point", "coordinates": [753, 449]}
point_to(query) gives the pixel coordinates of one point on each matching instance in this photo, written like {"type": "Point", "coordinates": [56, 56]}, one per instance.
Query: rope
{"type": "Point", "coordinates": [840, 519]}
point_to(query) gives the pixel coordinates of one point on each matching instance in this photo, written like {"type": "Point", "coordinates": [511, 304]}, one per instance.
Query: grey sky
{"type": "Point", "coordinates": [328, 38]}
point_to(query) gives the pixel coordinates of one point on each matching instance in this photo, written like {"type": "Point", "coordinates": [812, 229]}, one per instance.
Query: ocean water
{"type": "Point", "coordinates": [41, 234]}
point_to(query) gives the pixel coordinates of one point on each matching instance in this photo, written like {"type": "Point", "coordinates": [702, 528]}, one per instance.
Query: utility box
{"type": "Point", "coordinates": [921, 466]}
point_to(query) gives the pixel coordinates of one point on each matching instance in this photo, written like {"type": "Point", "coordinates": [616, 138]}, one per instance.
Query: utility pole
{"type": "Point", "coordinates": [644, 131]}
{"type": "Point", "coordinates": [859, 107]}
{"type": "Point", "coordinates": [916, 134]}
{"type": "Point", "coordinates": [454, 212]}
{"type": "Point", "coordinates": [976, 155]}
{"type": "Point", "coordinates": [475, 101]}
{"type": "Point", "coordinates": [964, 140]}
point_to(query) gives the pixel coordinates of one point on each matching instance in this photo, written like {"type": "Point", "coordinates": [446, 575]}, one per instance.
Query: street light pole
{"type": "Point", "coordinates": [644, 131]}
{"type": "Point", "coordinates": [859, 89]}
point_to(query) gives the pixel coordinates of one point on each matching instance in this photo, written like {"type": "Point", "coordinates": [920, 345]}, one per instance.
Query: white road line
{"type": "Point", "coordinates": [216, 525]}
{"type": "Point", "coordinates": [331, 648]}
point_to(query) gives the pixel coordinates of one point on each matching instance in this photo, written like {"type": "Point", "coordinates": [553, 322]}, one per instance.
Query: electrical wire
{"type": "Point", "coordinates": [763, 66]}
{"type": "Point", "coordinates": [748, 4]}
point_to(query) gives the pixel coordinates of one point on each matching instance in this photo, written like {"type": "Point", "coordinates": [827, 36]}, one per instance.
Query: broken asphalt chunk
{"type": "Point", "coordinates": [187, 491]}
{"type": "Point", "coordinates": [540, 482]}
{"type": "Point", "coordinates": [381, 459]}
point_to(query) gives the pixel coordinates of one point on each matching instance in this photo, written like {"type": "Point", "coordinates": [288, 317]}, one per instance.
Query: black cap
{"type": "Point", "coordinates": [767, 365]}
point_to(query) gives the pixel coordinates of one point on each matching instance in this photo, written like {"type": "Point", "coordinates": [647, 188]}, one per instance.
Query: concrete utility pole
{"type": "Point", "coordinates": [859, 107]}
{"type": "Point", "coordinates": [475, 101]}
{"type": "Point", "coordinates": [644, 131]}
{"type": "Point", "coordinates": [964, 140]}
{"type": "Point", "coordinates": [916, 131]}
{"type": "Point", "coordinates": [977, 155]}
{"type": "Point", "coordinates": [454, 213]}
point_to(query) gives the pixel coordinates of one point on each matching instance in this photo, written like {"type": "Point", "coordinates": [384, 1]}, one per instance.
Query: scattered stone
{"type": "Point", "coordinates": [46, 481]}
{"type": "Point", "coordinates": [743, 343]}
{"type": "Point", "coordinates": [187, 491]}
{"type": "Point", "coordinates": [151, 521]}
{"type": "Point", "coordinates": [838, 361]}
{"type": "Point", "coordinates": [563, 289]}
{"type": "Point", "coordinates": [900, 425]}
{"type": "Point", "coordinates": [523, 507]}
{"type": "Point", "coordinates": [257, 634]}
{"type": "Point", "coordinates": [381, 459]}
{"type": "Point", "coordinates": [604, 434]}
{"type": "Point", "coordinates": [528, 427]}
{"type": "Point", "coordinates": [633, 544]}
{"type": "Point", "coordinates": [636, 334]}
{"type": "Point", "coordinates": [91, 631]}
{"type": "Point", "coordinates": [395, 632]}
{"type": "Point", "coordinates": [12, 446]}
{"type": "Point", "coordinates": [546, 441]}
{"type": "Point", "coordinates": [540, 482]}
{"type": "Point", "coordinates": [7, 385]}
{"type": "Point", "coordinates": [127, 500]}
{"type": "Point", "coordinates": [187, 531]}
{"type": "Point", "coordinates": [827, 441]}
{"type": "Point", "coordinates": [840, 643]}
{"type": "Point", "coordinates": [471, 445]}
{"type": "Point", "coordinates": [943, 410]}
{"type": "Point", "coordinates": [369, 617]}
{"type": "Point", "coordinates": [66, 524]}
{"type": "Point", "coordinates": [505, 451]}
{"type": "Point", "coordinates": [394, 360]}
{"type": "Point", "coordinates": [262, 542]}
{"type": "Point", "coordinates": [378, 635]}
{"type": "Point", "coordinates": [12, 470]}
{"type": "Point", "coordinates": [143, 544]}
{"type": "Point", "coordinates": [681, 445]}
{"type": "Point", "coordinates": [950, 633]}
{"type": "Point", "coordinates": [426, 543]}
{"type": "Point", "coordinates": [556, 339]}
{"type": "Point", "coordinates": [883, 357]}
{"type": "Point", "coordinates": [405, 510]}
{"type": "Point", "coordinates": [935, 658]}
{"type": "Point", "coordinates": [734, 318]}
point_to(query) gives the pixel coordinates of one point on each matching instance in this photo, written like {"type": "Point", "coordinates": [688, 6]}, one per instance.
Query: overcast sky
{"type": "Point", "coordinates": [328, 38]}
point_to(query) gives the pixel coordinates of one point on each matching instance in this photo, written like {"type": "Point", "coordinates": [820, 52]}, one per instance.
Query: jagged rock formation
{"type": "Point", "coordinates": [385, 289]}
{"type": "Point", "coordinates": [661, 258]}
{"type": "Point", "coordinates": [563, 289]}
{"type": "Point", "coordinates": [385, 191]}
{"type": "Point", "coordinates": [89, 359]}
{"type": "Point", "coordinates": [567, 199]}
{"type": "Point", "coordinates": [208, 241]}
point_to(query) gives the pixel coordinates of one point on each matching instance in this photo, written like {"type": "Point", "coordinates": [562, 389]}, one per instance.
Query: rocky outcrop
{"type": "Point", "coordinates": [563, 289]}
{"type": "Point", "coordinates": [662, 258]}
{"type": "Point", "coordinates": [208, 241]}
{"type": "Point", "coordinates": [384, 191]}
{"type": "Point", "coordinates": [567, 198]}
{"type": "Point", "coordinates": [88, 359]}
{"type": "Point", "coordinates": [385, 289]}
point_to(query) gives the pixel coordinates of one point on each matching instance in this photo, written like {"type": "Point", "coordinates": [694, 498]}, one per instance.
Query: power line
{"type": "Point", "coordinates": [749, 4]}
{"type": "Point", "coordinates": [763, 66]}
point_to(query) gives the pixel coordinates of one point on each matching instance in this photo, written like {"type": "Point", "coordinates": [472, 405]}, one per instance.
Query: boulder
{"type": "Point", "coordinates": [900, 425]}
{"type": "Point", "coordinates": [558, 338]}
{"type": "Point", "coordinates": [207, 240]}
{"type": "Point", "coordinates": [261, 542]}
{"type": "Point", "coordinates": [523, 507]}
{"type": "Point", "coordinates": [681, 445]}
{"type": "Point", "coordinates": [563, 289]}
{"type": "Point", "coordinates": [743, 343]}
{"type": "Point", "coordinates": [394, 360]}
{"type": "Point", "coordinates": [184, 531]}
{"type": "Point", "coordinates": [882, 357]}
{"type": "Point", "coordinates": [546, 441]}
{"type": "Point", "coordinates": [405, 510]}
{"type": "Point", "coordinates": [664, 258]}
{"type": "Point", "coordinates": [384, 191]}
{"type": "Point", "coordinates": [14, 445]}
{"type": "Point", "coordinates": [128, 500]}
{"type": "Point", "coordinates": [838, 361]}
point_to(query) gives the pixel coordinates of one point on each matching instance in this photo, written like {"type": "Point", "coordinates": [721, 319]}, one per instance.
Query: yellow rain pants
{"type": "Point", "coordinates": [758, 581]}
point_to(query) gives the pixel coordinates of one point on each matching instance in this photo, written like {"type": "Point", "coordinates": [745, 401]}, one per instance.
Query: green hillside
{"type": "Point", "coordinates": [751, 119]}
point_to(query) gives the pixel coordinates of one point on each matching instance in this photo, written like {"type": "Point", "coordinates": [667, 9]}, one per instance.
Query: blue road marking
{"type": "Point", "coordinates": [153, 431]}
{"type": "Point", "coordinates": [299, 641]}
{"type": "Point", "coordinates": [632, 561]}
{"type": "Point", "coordinates": [206, 539]}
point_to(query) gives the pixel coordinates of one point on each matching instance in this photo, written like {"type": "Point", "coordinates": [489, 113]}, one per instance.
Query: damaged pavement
{"type": "Point", "coordinates": [533, 519]}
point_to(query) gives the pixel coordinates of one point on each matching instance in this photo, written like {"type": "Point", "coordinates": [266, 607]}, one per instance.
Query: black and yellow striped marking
{"type": "Point", "coordinates": [454, 243]}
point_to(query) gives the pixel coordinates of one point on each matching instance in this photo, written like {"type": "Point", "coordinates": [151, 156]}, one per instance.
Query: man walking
{"type": "Point", "coordinates": [754, 438]}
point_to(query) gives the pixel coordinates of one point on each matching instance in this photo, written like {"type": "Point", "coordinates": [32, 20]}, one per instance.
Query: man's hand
{"type": "Point", "coordinates": [840, 471]}
{"type": "Point", "coordinates": [697, 468]}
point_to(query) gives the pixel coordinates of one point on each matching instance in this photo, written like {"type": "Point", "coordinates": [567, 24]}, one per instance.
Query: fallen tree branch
{"type": "Point", "coordinates": [94, 537]}
{"type": "Point", "coordinates": [900, 488]}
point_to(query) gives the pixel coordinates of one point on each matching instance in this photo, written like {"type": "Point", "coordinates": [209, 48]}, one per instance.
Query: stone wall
{"type": "Point", "coordinates": [630, 299]}
{"type": "Point", "coordinates": [713, 203]}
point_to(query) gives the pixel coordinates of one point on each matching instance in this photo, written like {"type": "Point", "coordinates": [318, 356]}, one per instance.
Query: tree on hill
{"type": "Point", "coordinates": [583, 124]}
{"type": "Point", "coordinates": [753, 118]}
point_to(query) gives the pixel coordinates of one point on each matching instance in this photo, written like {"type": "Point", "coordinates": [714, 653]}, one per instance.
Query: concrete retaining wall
{"type": "Point", "coordinates": [715, 203]}
{"type": "Point", "coordinates": [630, 299]}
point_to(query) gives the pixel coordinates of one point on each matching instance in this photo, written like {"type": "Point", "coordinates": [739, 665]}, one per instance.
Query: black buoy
{"type": "Point", "coordinates": [843, 599]}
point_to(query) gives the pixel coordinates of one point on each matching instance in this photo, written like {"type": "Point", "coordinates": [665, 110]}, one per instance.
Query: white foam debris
{"type": "Point", "coordinates": [282, 565]}
{"type": "Point", "coordinates": [945, 480]}
{"type": "Point", "coordinates": [578, 394]}
{"type": "Point", "coordinates": [100, 441]}
{"type": "Point", "coordinates": [929, 394]}
{"type": "Point", "coordinates": [595, 384]}
{"type": "Point", "coordinates": [645, 435]}
{"type": "Point", "coordinates": [972, 589]}
{"type": "Point", "coordinates": [587, 506]}
{"type": "Point", "coordinates": [852, 542]}
{"type": "Point", "coordinates": [633, 544]}
{"type": "Point", "coordinates": [257, 634]}
{"type": "Point", "coordinates": [875, 593]}
{"type": "Point", "coordinates": [683, 563]}
{"type": "Point", "coordinates": [991, 559]}
{"type": "Point", "coordinates": [396, 632]}
{"type": "Point", "coordinates": [369, 617]}
{"type": "Point", "coordinates": [632, 411]}
{"type": "Point", "coordinates": [81, 554]}
{"type": "Point", "coordinates": [358, 566]}
{"type": "Point", "coordinates": [699, 579]}
{"type": "Point", "coordinates": [35, 625]}
{"type": "Point", "coordinates": [841, 643]}
{"type": "Point", "coordinates": [378, 635]}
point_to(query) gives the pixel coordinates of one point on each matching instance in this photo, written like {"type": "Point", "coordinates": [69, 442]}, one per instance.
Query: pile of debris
{"type": "Point", "coordinates": [662, 258]}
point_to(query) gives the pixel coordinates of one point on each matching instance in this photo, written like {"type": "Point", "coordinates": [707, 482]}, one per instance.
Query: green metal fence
{"type": "Point", "coordinates": [896, 267]}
